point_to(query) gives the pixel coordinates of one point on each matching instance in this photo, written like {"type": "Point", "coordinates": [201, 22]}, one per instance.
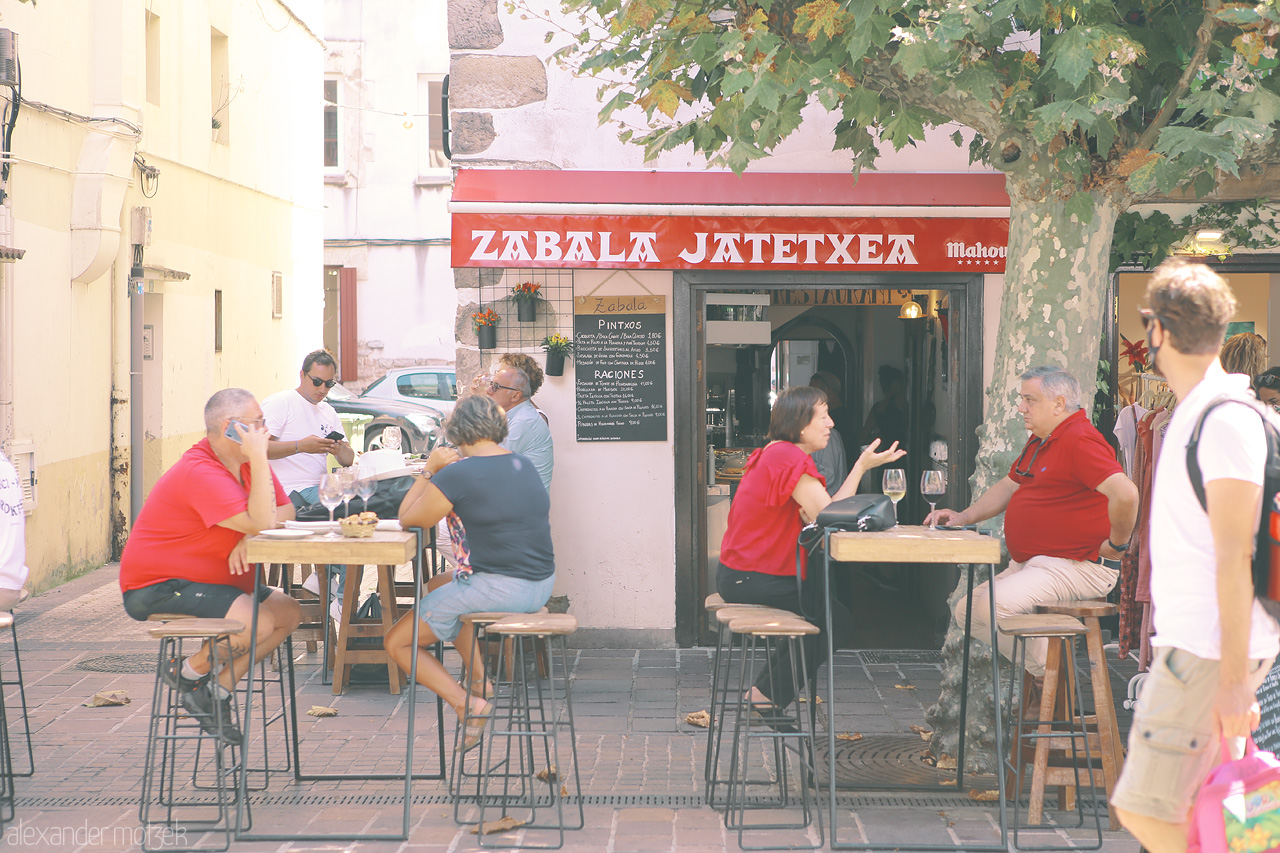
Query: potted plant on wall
{"type": "Point", "coordinates": [526, 296]}
{"type": "Point", "coordinates": [557, 347]}
{"type": "Point", "coordinates": [486, 323]}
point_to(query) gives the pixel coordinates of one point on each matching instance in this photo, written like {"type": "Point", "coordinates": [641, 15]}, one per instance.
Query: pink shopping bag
{"type": "Point", "coordinates": [1238, 808]}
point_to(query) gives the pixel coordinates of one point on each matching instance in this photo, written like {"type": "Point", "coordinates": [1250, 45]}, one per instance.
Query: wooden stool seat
{"type": "Point", "coordinates": [196, 628]}
{"type": "Point", "coordinates": [767, 626]}
{"type": "Point", "coordinates": [728, 613]}
{"type": "Point", "coordinates": [1080, 609]}
{"type": "Point", "coordinates": [536, 625]}
{"type": "Point", "coordinates": [714, 602]}
{"type": "Point", "coordinates": [168, 617]}
{"type": "Point", "coordinates": [490, 616]}
{"type": "Point", "coordinates": [1102, 723]}
{"type": "Point", "coordinates": [1041, 625]}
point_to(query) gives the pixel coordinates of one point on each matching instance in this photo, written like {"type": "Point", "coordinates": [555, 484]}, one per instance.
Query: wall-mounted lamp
{"type": "Point", "coordinates": [1208, 236]}
{"type": "Point", "coordinates": [910, 310]}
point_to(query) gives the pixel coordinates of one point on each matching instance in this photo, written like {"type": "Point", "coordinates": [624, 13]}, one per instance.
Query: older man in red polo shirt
{"type": "Point", "coordinates": [1067, 504]}
{"type": "Point", "coordinates": [186, 552]}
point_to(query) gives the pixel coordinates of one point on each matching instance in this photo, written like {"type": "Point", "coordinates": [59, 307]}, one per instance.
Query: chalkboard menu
{"type": "Point", "coordinates": [620, 365]}
{"type": "Point", "coordinates": [1268, 734]}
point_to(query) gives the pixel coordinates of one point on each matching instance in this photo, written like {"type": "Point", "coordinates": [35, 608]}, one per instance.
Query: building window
{"type": "Point", "coordinates": [431, 131]}
{"type": "Point", "coordinates": [153, 59]}
{"type": "Point", "coordinates": [332, 138]}
{"type": "Point", "coordinates": [221, 91]}
{"type": "Point", "coordinates": [217, 321]}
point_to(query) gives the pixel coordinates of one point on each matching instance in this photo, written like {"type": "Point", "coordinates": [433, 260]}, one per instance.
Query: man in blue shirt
{"type": "Point", "coordinates": [528, 433]}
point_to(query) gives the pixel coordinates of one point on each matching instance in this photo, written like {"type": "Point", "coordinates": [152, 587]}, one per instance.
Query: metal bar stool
{"type": "Point", "coordinates": [529, 718]}
{"type": "Point", "coordinates": [8, 798]}
{"type": "Point", "coordinates": [721, 686]}
{"type": "Point", "coordinates": [1064, 736]}
{"type": "Point", "coordinates": [22, 691]}
{"type": "Point", "coordinates": [1102, 721]}
{"type": "Point", "coordinates": [782, 732]}
{"type": "Point", "coordinates": [173, 727]}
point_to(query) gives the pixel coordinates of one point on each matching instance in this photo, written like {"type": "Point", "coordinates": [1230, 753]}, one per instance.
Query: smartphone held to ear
{"type": "Point", "coordinates": [234, 434]}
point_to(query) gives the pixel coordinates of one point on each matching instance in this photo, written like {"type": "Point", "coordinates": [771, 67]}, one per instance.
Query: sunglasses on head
{"type": "Point", "coordinates": [328, 383]}
{"type": "Point", "coordinates": [1267, 380]}
{"type": "Point", "coordinates": [1148, 315]}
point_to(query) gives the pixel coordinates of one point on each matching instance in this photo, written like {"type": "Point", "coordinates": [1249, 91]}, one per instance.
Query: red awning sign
{"type": "Point", "coordinates": [729, 243]}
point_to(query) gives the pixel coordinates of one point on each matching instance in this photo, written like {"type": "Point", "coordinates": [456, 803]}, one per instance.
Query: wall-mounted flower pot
{"type": "Point", "coordinates": [488, 336]}
{"type": "Point", "coordinates": [527, 310]}
{"type": "Point", "coordinates": [555, 364]}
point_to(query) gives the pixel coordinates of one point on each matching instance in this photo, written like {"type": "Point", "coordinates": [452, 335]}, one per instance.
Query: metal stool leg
{"type": "Point", "coordinates": [22, 697]}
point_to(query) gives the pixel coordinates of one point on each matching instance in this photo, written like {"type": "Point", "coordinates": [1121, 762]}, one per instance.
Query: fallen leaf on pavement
{"type": "Point", "coordinates": [322, 711]}
{"type": "Point", "coordinates": [701, 719]}
{"type": "Point", "coordinates": [920, 730]}
{"type": "Point", "coordinates": [101, 700]}
{"type": "Point", "coordinates": [564, 791]}
{"type": "Point", "coordinates": [904, 687]}
{"type": "Point", "coordinates": [947, 782]}
{"type": "Point", "coordinates": [550, 776]}
{"type": "Point", "coordinates": [847, 736]}
{"type": "Point", "coordinates": [946, 762]}
{"type": "Point", "coordinates": [505, 824]}
{"type": "Point", "coordinates": [817, 701]}
{"type": "Point", "coordinates": [984, 796]}
{"type": "Point", "coordinates": [926, 736]}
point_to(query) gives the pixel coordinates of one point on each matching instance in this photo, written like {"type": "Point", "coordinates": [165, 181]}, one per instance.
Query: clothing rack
{"type": "Point", "coordinates": [1153, 391]}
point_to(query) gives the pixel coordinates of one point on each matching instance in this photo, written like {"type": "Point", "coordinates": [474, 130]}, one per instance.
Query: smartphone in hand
{"type": "Point", "coordinates": [232, 433]}
{"type": "Point", "coordinates": [336, 435]}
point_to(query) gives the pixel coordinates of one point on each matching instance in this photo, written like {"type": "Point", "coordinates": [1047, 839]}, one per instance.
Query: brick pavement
{"type": "Point", "coordinates": [641, 765]}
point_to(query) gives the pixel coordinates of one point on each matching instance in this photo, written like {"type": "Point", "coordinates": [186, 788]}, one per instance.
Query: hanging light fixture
{"type": "Point", "coordinates": [910, 310]}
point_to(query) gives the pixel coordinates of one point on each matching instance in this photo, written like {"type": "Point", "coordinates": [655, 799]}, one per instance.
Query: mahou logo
{"type": "Point", "coordinates": [977, 254]}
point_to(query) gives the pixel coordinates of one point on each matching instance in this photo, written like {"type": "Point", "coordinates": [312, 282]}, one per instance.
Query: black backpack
{"type": "Point", "coordinates": [1266, 548]}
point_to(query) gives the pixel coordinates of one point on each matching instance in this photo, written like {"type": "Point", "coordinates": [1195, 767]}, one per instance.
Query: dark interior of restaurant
{"type": "Point", "coordinates": [882, 357]}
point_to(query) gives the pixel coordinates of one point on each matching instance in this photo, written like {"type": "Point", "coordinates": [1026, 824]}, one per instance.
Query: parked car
{"type": "Point", "coordinates": [365, 419]}
{"type": "Point", "coordinates": [435, 386]}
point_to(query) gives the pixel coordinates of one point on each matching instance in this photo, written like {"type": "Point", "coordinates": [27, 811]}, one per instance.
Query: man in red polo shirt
{"type": "Point", "coordinates": [186, 552]}
{"type": "Point", "coordinates": [1067, 503]}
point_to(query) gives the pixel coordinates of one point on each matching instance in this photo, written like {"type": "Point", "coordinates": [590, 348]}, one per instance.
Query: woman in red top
{"type": "Point", "coordinates": [780, 491]}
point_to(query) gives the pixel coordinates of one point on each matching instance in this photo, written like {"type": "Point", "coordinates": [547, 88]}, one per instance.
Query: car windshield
{"type": "Point", "coordinates": [337, 392]}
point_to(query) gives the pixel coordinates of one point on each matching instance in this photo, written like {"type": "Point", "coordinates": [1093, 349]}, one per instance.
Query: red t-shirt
{"type": "Point", "coordinates": [764, 520]}
{"type": "Point", "coordinates": [177, 533]}
{"type": "Point", "coordinates": [1056, 511]}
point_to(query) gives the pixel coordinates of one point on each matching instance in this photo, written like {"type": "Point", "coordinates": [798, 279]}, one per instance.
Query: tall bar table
{"type": "Point", "coordinates": [914, 544]}
{"type": "Point", "coordinates": [383, 548]}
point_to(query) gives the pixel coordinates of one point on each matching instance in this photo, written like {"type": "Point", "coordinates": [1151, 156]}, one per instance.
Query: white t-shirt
{"type": "Point", "coordinates": [13, 548]}
{"type": "Point", "coordinates": [291, 417]}
{"type": "Point", "coordinates": [1184, 573]}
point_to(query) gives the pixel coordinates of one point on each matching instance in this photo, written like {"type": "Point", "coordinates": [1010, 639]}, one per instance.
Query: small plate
{"type": "Point", "coordinates": [286, 533]}
{"type": "Point", "coordinates": [312, 526]}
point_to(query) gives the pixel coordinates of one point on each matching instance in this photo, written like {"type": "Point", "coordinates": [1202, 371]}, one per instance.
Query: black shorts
{"type": "Point", "coordinates": [203, 600]}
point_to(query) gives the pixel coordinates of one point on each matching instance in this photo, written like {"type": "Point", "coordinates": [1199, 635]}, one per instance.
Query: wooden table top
{"type": "Point", "coordinates": [915, 544]}
{"type": "Point", "coordinates": [383, 548]}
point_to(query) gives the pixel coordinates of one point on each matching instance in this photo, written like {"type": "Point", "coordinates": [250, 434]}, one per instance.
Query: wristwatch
{"type": "Point", "coordinates": [426, 475]}
{"type": "Point", "coordinates": [1115, 547]}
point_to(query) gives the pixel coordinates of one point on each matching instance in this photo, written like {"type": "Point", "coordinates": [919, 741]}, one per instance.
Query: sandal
{"type": "Point", "coordinates": [474, 731]}
{"type": "Point", "coordinates": [480, 689]}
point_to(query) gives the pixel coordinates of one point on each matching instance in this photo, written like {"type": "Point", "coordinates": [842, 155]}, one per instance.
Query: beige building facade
{"type": "Point", "coordinates": [161, 188]}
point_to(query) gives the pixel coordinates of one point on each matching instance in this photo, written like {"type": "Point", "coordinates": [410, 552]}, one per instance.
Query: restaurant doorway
{"type": "Point", "coordinates": [911, 374]}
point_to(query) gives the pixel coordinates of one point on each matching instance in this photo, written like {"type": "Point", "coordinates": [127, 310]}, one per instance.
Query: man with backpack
{"type": "Point", "coordinates": [1213, 642]}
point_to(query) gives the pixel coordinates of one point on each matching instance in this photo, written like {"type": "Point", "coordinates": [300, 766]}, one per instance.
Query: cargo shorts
{"type": "Point", "coordinates": [1174, 743]}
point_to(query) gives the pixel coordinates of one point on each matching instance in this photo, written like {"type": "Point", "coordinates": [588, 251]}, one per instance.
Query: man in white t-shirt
{"type": "Point", "coordinates": [13, 547]}
{"type": "Point", "coordinates": [305, 429]}
{"type": "Point", "coordinates": [1213, 642]}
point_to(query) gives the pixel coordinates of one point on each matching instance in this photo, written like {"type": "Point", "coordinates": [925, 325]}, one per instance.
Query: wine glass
{"type": "Point", "coordinates": [391, 438]}
{"type": "Point", "coordinates": [895, 487]}
{"type": "Point", "coordinates": [932, 484]}
{"type": "Point", "coordinates": [348, 477]}
{"type": "Point", "coordinates": [331, 496]}
{"type": "Point", "coordinates": [365, 486]}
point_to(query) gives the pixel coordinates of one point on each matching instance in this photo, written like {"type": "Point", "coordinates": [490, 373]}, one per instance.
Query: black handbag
{"type": "Point", "coordinates": [858, 512]}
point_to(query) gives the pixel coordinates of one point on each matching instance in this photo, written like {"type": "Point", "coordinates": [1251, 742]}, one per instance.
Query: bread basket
{"type": "Point", "coordinates": [359, 526]}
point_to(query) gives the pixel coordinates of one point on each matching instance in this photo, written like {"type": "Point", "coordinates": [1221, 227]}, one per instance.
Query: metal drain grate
{"type": "Point", "coordinates": [893, 656]}
{"type": "Point", "coordinates": [119, 663]}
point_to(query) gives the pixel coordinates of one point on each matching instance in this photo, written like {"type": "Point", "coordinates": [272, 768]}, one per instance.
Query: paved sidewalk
{"type": "Point", "coordinates": [641, 764]}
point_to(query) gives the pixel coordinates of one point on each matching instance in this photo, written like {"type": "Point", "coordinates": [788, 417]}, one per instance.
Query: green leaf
{"type": "Point", "coordinates": [957, 139]}
{"type": "Point", "coordinates": [1081, 206]}
{"type": "Point", "coordinates": [1071, 56]}
{"type": "Point", "coordinates": [1262, 104]}
{"type": "Point", "coordinates": [911, 59]}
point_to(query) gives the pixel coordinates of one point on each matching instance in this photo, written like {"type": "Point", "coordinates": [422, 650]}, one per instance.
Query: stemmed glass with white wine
{"type": "Point", "coordinates": [895, 487]}
{"type": "Point", "coordinates": [330, 497]}
{"type": "Point", "coordinates": [391, 438]}
{"type": "Point", "coordinates": [932, 484]}
{"type": "Point", "coordinates": [348, 476]}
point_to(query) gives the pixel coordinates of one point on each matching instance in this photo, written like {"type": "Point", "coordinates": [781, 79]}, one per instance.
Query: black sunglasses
{"type": "Point", "coordinates": [1031, 465]}
{"type": "Point", "coordinates": [328, 383]}
{"type": "Point", "coordinates": [1267, 380]}
{"type": "Point", "coordinates": [1148, 315]}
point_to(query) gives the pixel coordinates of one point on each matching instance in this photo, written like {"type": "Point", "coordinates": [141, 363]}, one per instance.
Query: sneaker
{"type": "Point", "coordinates": [171, 674]}
{"type": "Point", "coordinates": [200, 705]}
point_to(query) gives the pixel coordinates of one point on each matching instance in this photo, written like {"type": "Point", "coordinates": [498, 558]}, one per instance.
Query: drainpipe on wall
{"type": "Point", "coordinates": [6, 332]}
{"type": "Point", "coordinates": [136, 439]}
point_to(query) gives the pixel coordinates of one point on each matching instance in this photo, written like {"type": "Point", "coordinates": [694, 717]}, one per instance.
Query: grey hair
{"type": "Point", "coordinates": [1056, 382]}
{"type": "Point", "coordinates": [226, 403]}
{"type": "Point", "coordinates": [475, 419]}
{"type": "Point", "coordinates": [521, 379]}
